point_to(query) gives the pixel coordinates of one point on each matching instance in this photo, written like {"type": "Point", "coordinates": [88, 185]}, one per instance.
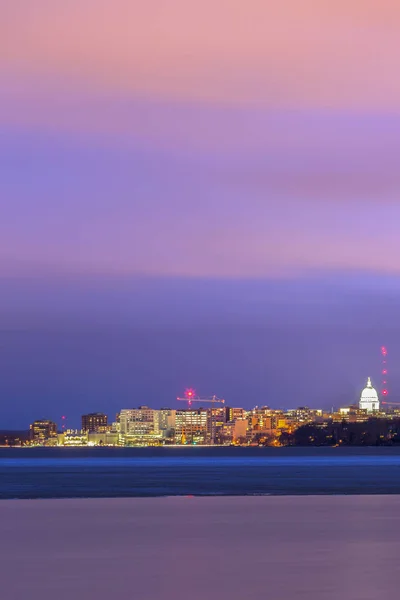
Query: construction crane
{"type": "Point", "coordinates": [190, 396]}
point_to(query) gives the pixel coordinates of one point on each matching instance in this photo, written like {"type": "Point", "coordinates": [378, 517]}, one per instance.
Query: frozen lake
{"type": "Point", "coordinates": [225, 548]}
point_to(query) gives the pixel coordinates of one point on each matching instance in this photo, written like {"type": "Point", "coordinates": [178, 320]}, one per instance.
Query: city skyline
{"type": "Point", "coordinates": [209, 422]}
{"type": "Point", "coordinates": [370, 400]}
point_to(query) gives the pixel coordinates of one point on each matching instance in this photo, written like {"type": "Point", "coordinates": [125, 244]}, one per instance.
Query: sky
{"type": "Point", "coordinates": [196, 194]}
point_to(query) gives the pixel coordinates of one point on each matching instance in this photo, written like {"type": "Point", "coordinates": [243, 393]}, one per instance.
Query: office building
{"type": "Point", "coordinates": [166, 422]}
{"type": "Point", "coordinates": [191, 426]}
{"type": "Point", "coordinates": [94, 422]}
{"type": "Point", "coordinates": [139, 425]}
{"type": "Point", "coordinates": [233, 413]}
{"type": "Point", "coordinates": [43, 431]}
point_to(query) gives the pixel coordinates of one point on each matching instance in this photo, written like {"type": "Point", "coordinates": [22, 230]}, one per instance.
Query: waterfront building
{"type": "Point", "coordinates": [369, 400]}
{"type": "Point", "coordinates": [216, 419]}
{"type": "Point", "coordinates": [166, 422]}
{"type": "Point", "coordinates": [191, 426]}
{"type": "Point", "coordinates": [234, 432]}
{"type": "Point", "coordinates": [105, 438]}
{"type": "Point", "coordinates": [73, 437]}
{"type": "Point", "coordinates": [139, 425]}
{"type": "Point", "coordinates": [43, 431]}
{"type": "Point", "coordinates": [94, 422]}
{"type": "Point", "coordinates": [261, 418]}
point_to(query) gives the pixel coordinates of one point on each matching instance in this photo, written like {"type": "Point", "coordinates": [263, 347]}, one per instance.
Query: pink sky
{"type": "Point", "coordinates": [269, 129]}
{"type": "Point", "coordinates": [296, 53]}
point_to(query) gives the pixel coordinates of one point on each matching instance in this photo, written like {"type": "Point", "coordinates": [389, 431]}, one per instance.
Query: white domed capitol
{"type": "Point", "coordinates": [369, 400]}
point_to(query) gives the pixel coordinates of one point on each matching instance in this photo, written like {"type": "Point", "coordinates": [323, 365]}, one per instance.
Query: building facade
{"type": "Point", "coordinates": [191, 426]}
{"type": "Point", "coordinates": [369, 399]}
{"type": "Point", "coordinates": [139, 425]}
{"type": "Point", "coordinates": [43, 431]}
{"type": "Point", "coordinates": [166, 422]}
{"type": "Point", "coordinates": [94, 422]}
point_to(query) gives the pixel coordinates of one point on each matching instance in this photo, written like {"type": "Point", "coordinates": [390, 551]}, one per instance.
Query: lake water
{"type": "Point", "coordinates": [209, 548]}
{"type": "Point", "coordinates": [136, 472]}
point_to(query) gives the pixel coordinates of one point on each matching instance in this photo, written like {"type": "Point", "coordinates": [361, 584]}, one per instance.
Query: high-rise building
{"type": "Point", "coordinates": [191, 426]}
{"type": "Point", "coordinates": [139, 425]}
{"type": "Point", "coordinates": [216, 419]}
{"type": "Point", "coordinates": [94, 422]}
{"type": "Point", "coordinates": [43, 431]}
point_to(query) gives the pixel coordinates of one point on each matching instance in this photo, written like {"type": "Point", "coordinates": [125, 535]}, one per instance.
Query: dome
{"type": "Point", "coordinates": [369, 392]}
{"type": "Point", "coordinates": [369, 399]}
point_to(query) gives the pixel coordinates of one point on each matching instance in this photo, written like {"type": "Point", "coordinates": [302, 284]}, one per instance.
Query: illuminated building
{"type": "Point", "coordinates": [166, 422]}
{"type": "Point", "coordinates": [43, 431]}
{"type": "Point", "coordinates": [303, 414]}
{"type": "Point", "coordinates": [139, 425]}
{"type": "Point", "coordinates": [72, 437]}
{"type": "Point", "coordinates": [216, 418]}
{"type": "Point", "coordinates": [233, 413]}
{"type": "Point", "coordinates": [282, 423]}
{"type": "Point", "coordinates": [94, 422]}
{"type": "Point", "coordinates": [261, 419]}
{"type": "Point", "coordinates": [369, 400]}
{"type": "Point", "coordinates": [191, 426]}
{"type": "Point", "coordinates": [105, 438]}
{"type": "Point", "coordinates": [235, 431]}
{"type": "Point", "coordinates": [351, 413]}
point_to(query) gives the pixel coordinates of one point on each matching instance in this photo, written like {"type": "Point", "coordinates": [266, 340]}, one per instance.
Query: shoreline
{"type": "Point", "coordinates": [202, 496]}
{"type": "Point", "coordinates": [216, 497]}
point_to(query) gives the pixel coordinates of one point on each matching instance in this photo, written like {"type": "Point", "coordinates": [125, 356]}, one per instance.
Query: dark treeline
{"type": "Point", "coordinates": [13, 438]}
{"type": "Point", "coordinates": [374, 432]}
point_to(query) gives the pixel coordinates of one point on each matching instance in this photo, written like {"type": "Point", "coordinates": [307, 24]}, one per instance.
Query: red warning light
{"type": "Point", "coordinates": [384, 372]}
{"type": "Point", "coordinates": [189, 393]}
{"type": "Point", "coordinates": [385, 392]}
{"type": "Point", "coordinates": [384, 350]}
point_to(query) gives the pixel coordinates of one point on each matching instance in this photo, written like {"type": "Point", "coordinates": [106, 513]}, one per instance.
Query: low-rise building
{"type": "Point", "coordinates": [106, 438]}
{"type": "Point", "coordinates": [73, 437]}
